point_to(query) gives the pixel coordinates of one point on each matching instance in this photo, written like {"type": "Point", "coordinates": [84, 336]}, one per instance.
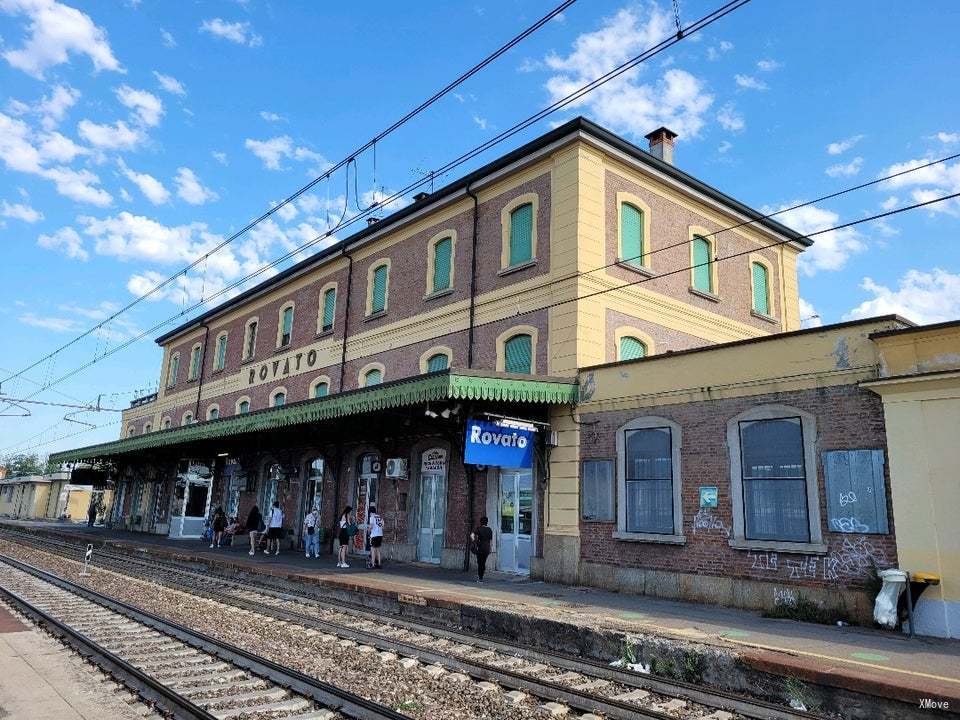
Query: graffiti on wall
{"type": "Point", "coordinates": [705, 519]}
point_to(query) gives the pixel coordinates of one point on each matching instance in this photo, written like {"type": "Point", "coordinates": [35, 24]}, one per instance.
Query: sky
{"type": "Point", "coordinates": [135, 135]}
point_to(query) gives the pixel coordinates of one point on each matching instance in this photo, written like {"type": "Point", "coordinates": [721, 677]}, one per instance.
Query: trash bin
{"type": "Point", "coordinates": [885, 607]}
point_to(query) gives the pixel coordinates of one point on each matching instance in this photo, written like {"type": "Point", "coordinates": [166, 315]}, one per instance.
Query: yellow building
{"type": "Point", "coordinates": [920, 386]}
{"type": "Point", "coordinates": [24, 496]}
{"type": "Point", "coordinates": [47, 497]}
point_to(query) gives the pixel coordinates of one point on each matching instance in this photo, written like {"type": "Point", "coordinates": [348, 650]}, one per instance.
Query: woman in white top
{"type": "Point", "coordinates": [375, 523]}
{"type": "Point", "coordinates": [275, 528]}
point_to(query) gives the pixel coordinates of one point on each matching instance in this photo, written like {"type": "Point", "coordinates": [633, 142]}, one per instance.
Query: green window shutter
{"type": "Point", "coordinates": [437, 362]}
{"type": "Point", "coordinates": [631, 348]}
{"type": "Point", "coordinates": [373, 377]}
{"type": "Point", "coordinates": [518, 354]}
{"type": "Point", "coordinates": [195, 364]}
{"type": "Point", "coordinates": [287, 326]}
{"type": "Point", "coordinates": [279, 400]}
{"type": "Point", "coordinates": [244, 407]}
{"type": "Point", "coordinates": [521, 234]}
{"type": "Point", "coordinates": [760, 289]}
{"type": "Point", "coordinates": [442, 252]}
{"type": "Point", "coordinates": [631, 234]}
{"type": "Point", "coordinates": [702, 271]}
{"type": "Point", "coordinates": [321, 390]}
{"type": "Point", "coordinates": [379, 301]}
{"type": "Point", "coordinates": [221, 352]}
{"type": "Point", "coordinates": [329, 306]}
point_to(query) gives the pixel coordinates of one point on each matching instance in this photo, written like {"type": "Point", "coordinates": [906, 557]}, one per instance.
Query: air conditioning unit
{"type": "Point", "coordinates": [396, 468]}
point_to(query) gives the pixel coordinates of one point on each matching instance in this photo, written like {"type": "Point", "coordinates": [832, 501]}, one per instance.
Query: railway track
{"type": "Point", "coordinates": [182, 673]}
{"type": "Point", "coordinates": [563, 683]}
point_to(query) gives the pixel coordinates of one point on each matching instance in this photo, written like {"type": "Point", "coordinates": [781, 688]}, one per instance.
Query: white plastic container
{"type": "Point", "coordinates": [885, 607]}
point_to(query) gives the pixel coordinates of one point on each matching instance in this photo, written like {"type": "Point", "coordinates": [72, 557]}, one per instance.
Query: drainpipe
{"type": "Point", "coordinates": [471, 482]}
{"type": "Point", "coordinates": [203, 357]}
{"type": "Point", "coordinates": [473, 290]}
{"type": "Point", "coordinates": [346, 320]}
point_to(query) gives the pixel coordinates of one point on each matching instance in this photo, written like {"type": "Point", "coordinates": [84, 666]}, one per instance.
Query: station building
{"type": "Point", "coordinates": [686, 439]}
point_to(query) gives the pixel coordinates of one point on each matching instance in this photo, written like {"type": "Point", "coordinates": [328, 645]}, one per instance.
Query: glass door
{"type": "Point", "coordinates": [367, 487]}
{"type": "Point", "coordinates": [433, 511]}
{"type": "Point", "coordinates": [516, 521]}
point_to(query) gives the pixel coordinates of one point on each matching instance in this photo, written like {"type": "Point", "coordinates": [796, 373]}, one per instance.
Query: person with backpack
{"type": "Point", "coordinates": [481, 541]}
{"type": "Point", "coordinates": [275, 528]}
{"type": "Point", "coordinates": [254, 525]}
{"type": "Point", "coordinates": [375, 523]}
{"type": "Point", "coordinates": [345, 533]}
{"type": "Point", "coordinates": [311, 533]}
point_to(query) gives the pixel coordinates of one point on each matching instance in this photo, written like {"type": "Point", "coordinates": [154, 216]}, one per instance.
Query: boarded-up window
{"type": "Point", "coordinates": [597, 490]}
{"type": "Point", "coordinates": [856, 492]}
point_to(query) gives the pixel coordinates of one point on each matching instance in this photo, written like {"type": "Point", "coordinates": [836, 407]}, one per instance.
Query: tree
{"type": "Point", "coordinates": [24, 465]}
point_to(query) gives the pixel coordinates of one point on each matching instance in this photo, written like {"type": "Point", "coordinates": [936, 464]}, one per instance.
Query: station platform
{"type": "Point", "coordinates": [847, 661]}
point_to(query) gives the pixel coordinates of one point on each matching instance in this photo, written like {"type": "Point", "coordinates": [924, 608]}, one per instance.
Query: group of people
{"type": "Point", "coordinates": [272, 530]}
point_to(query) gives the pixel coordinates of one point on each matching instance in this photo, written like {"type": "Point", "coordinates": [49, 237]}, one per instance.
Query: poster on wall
{"type": "Point", "coordinates": [434, 461]}
{"type": "Point", "coordinates": [496, 445]}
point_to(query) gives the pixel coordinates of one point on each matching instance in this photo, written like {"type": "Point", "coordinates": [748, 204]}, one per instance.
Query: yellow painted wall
{"type": "Point", "coordinates": [917, 351]}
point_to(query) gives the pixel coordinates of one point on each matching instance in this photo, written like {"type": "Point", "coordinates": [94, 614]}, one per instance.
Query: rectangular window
{"type": "Point", "coordinates": [521, 234]}
{"type": "Point", "coordinates": [194, 364]}
{"type": "Point", "coordinates": [173, 371]}
{"type": "Point", "coordinates": [442, 253]}
{"type": "Point", "coordinates": [286, 327]}
{"type": "Point", "coordinates": [221, 358]}
{"type": "Point", "coordinates": [702, 271]}
{"type": "Point", "coordinates": [597, 490]}
{"type": "Point", "coordinates": [329, 307]}
{"type": "Point", "coordinates": [378, 302]}
{"type": "Point", "coordinates": [774, 480]}
{"type": "Point", "coordinates": [649, 480]}
{"type": "Point", "coordinates": [856, 491]}
{"type": "Point", "coordinates": [761, 290]}
{"type": "Point", "coordinates": [631, 234]}
{"type": "Point", "coordinates": [250, 346]}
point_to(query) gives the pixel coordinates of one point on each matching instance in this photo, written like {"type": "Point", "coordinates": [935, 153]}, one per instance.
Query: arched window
{"type": "Point", "coordinates": [243, 406]}
{"type": "Point", "coordinates": [631, 234]}
{"type": "Point", "coordinates": [213, 412]}
{"type": "Point", "coordinates": [521, 235]}
{"type": "Point", "coordinates": [250, 339]}
{"type": "Point", "coordinates": [220, 352]}
{"type": "Point", "coordinates": [631, 348]}
{"type": "Point", "coordinates": [518, 354]}
{"type": "Point", "coordinates": [173, 369]}
{"type": "Point", "coordinates": [131, 431]}
{"type": "Point", "coordinates": [321, 389]}
{"type": "Point", "coordinates": [313, 497]}
{"type": "Point", "coordinates": [442, 264]}
{"type": "Point", "coordinates": [194, 363]}
{"type": "Point", "coordinates": [760, 278]}
{"type": "Point", "coordinates": [328, 309]}
{"type": "Point", "coordinates": [378, 287]}
{"type": "Point", "coordinates": [187, 418]}
{"type": "Point", "coordinates": [285, 329]}
{"type": "Point", "coordinates": [279, 398]}
{"type": "Point", "coordinates": [374, 376]}
{"type": "Point", "coordinates": [148, 427]}
{"type": "Point", "coordinates": [702, 257]}
{"type": "Point", "coordinates": [166, 423]}
{"type": "Point", "coordinates": [437, 362]}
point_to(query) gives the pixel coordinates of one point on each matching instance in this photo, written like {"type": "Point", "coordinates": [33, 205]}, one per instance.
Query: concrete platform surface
{"type": "Point", "coordinates": [884, 663]}
{"type": "Point", "coordinates": [41, 679]}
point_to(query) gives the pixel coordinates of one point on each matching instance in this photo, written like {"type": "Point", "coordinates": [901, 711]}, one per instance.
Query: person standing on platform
{"type": "Point", "coordinates": [375, 523]}
{"type": "Point", "coordinates": [219, 523]}
{"type": "Point", "coordinates": [275, 528]}
{"type": "Point", "coordinates": [482, 541]}
{"type": "Point", "coordinates": [311, 533]}
{"type": "Point", "coordinates": [345, 532]}
{"type": "Point", "coordinates": [91, 514]}
{"type": "Point", "coordinates": [254, 523]}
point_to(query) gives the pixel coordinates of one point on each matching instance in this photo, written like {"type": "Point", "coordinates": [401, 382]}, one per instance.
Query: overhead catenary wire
{"type": "Point", "coordinates": [463, 77]}
{"type": "Point", "coordinates": [636, 60]}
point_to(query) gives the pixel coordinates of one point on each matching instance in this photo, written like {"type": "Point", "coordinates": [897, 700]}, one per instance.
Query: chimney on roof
{"type": "Point", "coordinates": [661, 143]}
{"type": "Point", "coordinates": [421, 196]}
{"type": "Point", "coordinates": [372, 221]}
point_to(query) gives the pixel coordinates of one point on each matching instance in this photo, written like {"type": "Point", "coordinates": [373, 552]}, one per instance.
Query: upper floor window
{"type": "Point", "coordinates": [328, 309]}
{"type": "Point", "coordinates": [631, 348]}
{"type": "Point", "coordinates": [440, 262]}
{"type": "Point", "coordinates": [371, 375]}
{"type": "Point", "coordinates": [632, 248]}
{"type": "Point", "coordinates": [131, 431]}
{"type": "Point", "coordinates": [279, 398]}
{"type": "Point", "coordinates": [702, 257]}
{"type": "Point", "coordinates": [285, 329]}
{"type": "Point", "coordinates": [774, 476]}
{"type": "Point", "coordinates": [437, 362]}
{"type": "Point", "coordinates": [166, 423]}
{"type": "Point", "coordinates": [521, 235]}
{"type": "Point", "coordinates": [321, 389]}
{"type": "Point", "coordinates": [187, 418]}
{"type": "Point", "coordinates": [250, 339]}
{"type": "Point", "coordinates": [148, 427]}
{"type": "Point", "coordinates": [518, 354]}
{"type": "Point", "coordinates": [194, 372]}
{"type": "Point", "coordinates": [378, 287]}
{"type": "Point", "coordinates": [173, 368]}
{"type": "Point", "coordinates": [220, 352]}
{"type": "Point", "coordinates": [649, 484]}
{"type": "Point", "coordinates": [243, 406]}
{"type": "Point", "coordinates": [760, 280]}
{"type": "Point", "coordinates": [213, 412]}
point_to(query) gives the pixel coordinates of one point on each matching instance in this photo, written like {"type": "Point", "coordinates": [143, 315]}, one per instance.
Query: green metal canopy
{"type": "Point", "coordinates": [444, 385]}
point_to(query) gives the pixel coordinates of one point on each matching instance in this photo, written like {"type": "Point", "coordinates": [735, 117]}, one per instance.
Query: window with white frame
{"type": "Point", "coordinates": [173, 368]}
{"type": "Point", "coordinates": [285, 328]}
{"type": "Point", "coordinates": [250, 339]}
{"type": "Point", "coordinates": [194, 372]}
{"type": "Point", "coordinates": [220, 352]}
{"type": "Point", "coordinates": [649, 482]}
{"type": "Point", "coordinates": [773, 476]}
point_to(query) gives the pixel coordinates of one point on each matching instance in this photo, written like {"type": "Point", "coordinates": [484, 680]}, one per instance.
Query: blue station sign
{"type": "Point", "coordinates": [488, 443]}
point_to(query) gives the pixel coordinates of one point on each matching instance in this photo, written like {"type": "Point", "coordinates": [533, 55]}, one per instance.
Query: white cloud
{"type": "Point", "coordinates": [845, 169]}
{"type": "Point", "coordinates": [236, 32]}
{"type": "Point", "coordinates": [20, 211]}
{"type": "Point", "coordinates": [220, 157]}
{"type": "Point", "coordinates": [65, 240]}
{"type": "Point", "coordinates": [288, 212]}
{"type": "Point", "coordinates": [377, 197]}
{"type": "Point", "coordinates": [54, 146]}
{"type": "Point", "coordinates": [273, 151]}
{"type": "Point", "coordinates": [626, 104]}
{"type": "Point", "coordinates": [767, 65]}
{"type": "Point", "coordinates": [726, 45]}
{"type": "Point", "coordinates": [146, 107]}
{"type": "Point", "coordinates": [809, 317]}
{"type": "Point", "coordinates": [191, 190]}
{"type": "Point", "coordinates": [729, 119]}
{"type": "Point", "coordinates": [836, 148]}
{"type": "Point", "coordinates": [56, 324]}
{"type": "Point", "coordinates": [924, 297]}
{"type": "Point", "coordinates": [714, 52]}
{"type": "Point", "coordinates": [168, 40]}
{"type": "Point", "coordinates": [170, 84]}
{"type": "Point", "coordinates": [480, 122]}
{"type": "Point", "coordinates": [55, 31]}
{"type": "Point", "coordinates": [947, 138]}
{"type": "Point", "coordinates": [79, 185]}
{"type": "Point", "coordinates": [125, 196]}
{"type": "Point", "coordinates": [152, 188]}
{"type": "Point", "coordinates": [53, 107]}
{"type": "Point", "coordinates": [831, 250]}
{"type": "Point", "coordinates": [890, 203]}
{"type": "Point", "coordinates": [927, 183]}
{"type": "Point", "coordinates": [119, 136]}
{"type": "Point", "coordinates": [749, 82]}
{"type": "Point", "coordinates": [271, 116]}
{"type": "Point", "coordinates": [724, 147]}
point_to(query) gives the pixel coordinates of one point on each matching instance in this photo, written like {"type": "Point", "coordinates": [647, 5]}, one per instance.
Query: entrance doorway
{"type": "Point", "coordinates": [368, 485]}
{"type": "Point", "coordinates": [191, 505]}
{"type": "Point", "coordinates": [433, 505]}
{"type": "Point", "coordinates": [516, 521]}
{"type": "Point", "coordinates": [312, 490]}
